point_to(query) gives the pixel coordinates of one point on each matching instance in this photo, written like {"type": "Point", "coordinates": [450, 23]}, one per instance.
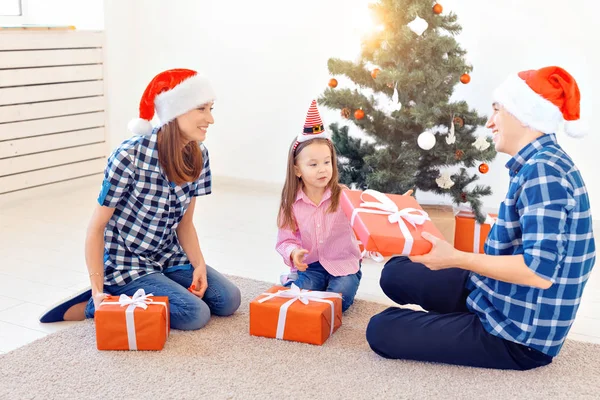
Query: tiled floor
{"type": "Point", "coordinates": [42, 260]}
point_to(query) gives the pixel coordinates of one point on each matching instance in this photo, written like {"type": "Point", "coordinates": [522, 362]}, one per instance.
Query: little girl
{"type": "Point", "coordinates": [315, 238]}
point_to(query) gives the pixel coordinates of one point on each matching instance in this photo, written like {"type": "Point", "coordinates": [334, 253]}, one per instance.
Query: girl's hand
{"type": "Point", "coordinates": [199, 281]}
{"type": "Point", "coordinates": [408, 193]}
{"type": "Point", "coordinates": [297, 257]}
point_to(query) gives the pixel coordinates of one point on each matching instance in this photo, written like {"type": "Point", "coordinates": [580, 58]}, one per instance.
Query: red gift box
{"type": "Point", "coordinates": [296, 314]}
{"type": "Point", "coordinates": [368, 254]}
{"type": "Point", "coordinates": [388, 224]}
{"type": "Point", "coordinates": [140, 322]}
{"type": "Point", "coordinates": [470, 235]}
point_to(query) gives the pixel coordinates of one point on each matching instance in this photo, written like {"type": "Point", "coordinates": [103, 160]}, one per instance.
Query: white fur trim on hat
{"type": "Point", "coordinates": [139, 126]}
{"type": "Point", "coordinates": [189, 94]}
{"type": "Point", "coordinates": [527, 106]}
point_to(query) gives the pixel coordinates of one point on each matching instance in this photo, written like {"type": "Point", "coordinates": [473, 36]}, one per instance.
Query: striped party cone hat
{"type": "Point", "coordinates": [313, 126]}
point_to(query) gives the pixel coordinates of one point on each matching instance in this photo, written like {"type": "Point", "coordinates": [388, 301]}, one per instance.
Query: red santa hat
{"type": "Point", "coordinates": [543, 99]}
{"type": "Point", "coordinates": [170, 94]}
{"type": "Point", "coordinates": [313, 126]}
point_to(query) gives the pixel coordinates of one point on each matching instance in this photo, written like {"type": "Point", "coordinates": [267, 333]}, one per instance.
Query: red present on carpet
{"type": "Point", "coordinates": [140, 322]}
{"type": "Point", "coordinates": [296, 314]}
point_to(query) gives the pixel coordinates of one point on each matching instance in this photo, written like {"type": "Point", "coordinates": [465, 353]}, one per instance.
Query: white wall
{"type": "Point", "coordinates": [268, 59]}
{"type": "Point", "coordinates": [83, 14]}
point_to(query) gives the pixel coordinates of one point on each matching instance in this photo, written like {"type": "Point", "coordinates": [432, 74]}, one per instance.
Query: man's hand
{"type": "Point", "coordinates": [297, 257]}
{"type": "Point", "coordinates": [199, 281]}
{"type": "Point", "coordinates": [441, 256]}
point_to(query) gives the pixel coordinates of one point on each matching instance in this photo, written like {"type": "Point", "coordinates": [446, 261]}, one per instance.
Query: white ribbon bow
{"type": "Point", "coordinates": [139, 299]}
{"type": "Point", "coordinates": [295, 293]}
{"type": "Point", "coordinates": [374, 255]}
{"type": "Point", "coordinates": [386, 206]}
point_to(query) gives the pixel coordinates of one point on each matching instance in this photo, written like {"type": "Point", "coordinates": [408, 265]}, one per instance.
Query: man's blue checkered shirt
{"type": "Point", "coordinates": [546, 218]}
{"type": "Point", "coordinates": [140, 238]}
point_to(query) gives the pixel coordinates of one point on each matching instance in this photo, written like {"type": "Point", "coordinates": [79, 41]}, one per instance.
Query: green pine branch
{"type": "Point", "coordinates": [425, 70]}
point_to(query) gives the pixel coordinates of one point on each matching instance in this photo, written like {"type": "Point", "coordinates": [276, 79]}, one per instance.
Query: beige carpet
{"type": "Point", "coordinates": [223, 361]}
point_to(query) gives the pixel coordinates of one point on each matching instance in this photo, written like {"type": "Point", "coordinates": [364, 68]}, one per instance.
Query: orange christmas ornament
{"type": "Point", "coordinates": [375, 72]}
{"type": "Point", "coordinates": [333, 83]}
{"type": "Point", "coordinates": [458, 121]}
{"type": "Point", "coordinates": [484, 168]}
{"type": "Point", "coordinates": [437, 9]}
{"type": "Point", "coordinates": [465, 78]}
{"type": "Point", "coordinates": [359, 114]}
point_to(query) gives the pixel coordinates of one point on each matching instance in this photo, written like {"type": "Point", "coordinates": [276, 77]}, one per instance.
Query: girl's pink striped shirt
{"type": "Point", "coordinates": [328, 237]}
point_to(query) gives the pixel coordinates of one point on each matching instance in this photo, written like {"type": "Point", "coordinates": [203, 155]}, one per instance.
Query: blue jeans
{"type": "Point", "coordinates": [187, 311]}
{"type": "Point", "coordinates": [317, 278]}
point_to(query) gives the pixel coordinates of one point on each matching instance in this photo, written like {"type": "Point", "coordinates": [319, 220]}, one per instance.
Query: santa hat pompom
{"type": "Point", "coordinates": [139, 126]}
{"type": "Point", "coordinates": [576, 129]}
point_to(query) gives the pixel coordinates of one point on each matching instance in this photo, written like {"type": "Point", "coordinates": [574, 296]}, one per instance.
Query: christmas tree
{"type": "Point", "coordinates": [402, 84]}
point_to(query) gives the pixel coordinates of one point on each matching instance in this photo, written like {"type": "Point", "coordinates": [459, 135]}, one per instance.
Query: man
{"type": "Point", "coordinates": [512, 307]}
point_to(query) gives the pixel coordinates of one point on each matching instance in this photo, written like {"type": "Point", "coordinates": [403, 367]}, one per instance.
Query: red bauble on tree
{"type": "Point", "coordinates": [333, 83]}
{"type": "Point", "coordinates": [375, 72]}
{"type": "Point", "coordinates": [484, 168]}
{"type": "Point", "coordinates": [359, 114]}
{"type": "Point", "coordinates": [437, 8]}
{"type": "Point", "coordinates": [465, 78]}
{"type": "Point", "coordinates": [458, 121]}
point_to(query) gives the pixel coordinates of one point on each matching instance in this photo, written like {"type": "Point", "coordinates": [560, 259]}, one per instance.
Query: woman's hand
{"type": "Point", "coordinates": [98, 299]}
{"type": "Point", "coordinates": [199, 281]}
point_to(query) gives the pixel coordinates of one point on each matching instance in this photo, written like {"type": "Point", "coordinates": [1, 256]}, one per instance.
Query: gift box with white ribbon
{"type": "Point", "coordinates": [470, 235]}
{"type": "Point", "coordinates": [388, 224]}
{"type": "Point", "coordinates": [296, 314]}
{"type": "Point", "coordinates": [140, 322]}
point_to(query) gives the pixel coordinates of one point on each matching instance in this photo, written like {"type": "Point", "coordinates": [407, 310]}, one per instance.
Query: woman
{"type": "Point", "coordinates": [142, 234]}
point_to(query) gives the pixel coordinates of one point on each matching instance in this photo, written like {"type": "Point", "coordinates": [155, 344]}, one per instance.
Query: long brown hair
{"type": "Point", "coordinates": [181, 162]}
{"type": "Point", "coordinates": [293, 183]}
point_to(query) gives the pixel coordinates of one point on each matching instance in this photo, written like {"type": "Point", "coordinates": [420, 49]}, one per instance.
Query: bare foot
{"type": "Point", "coordinates": [76, 312]}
